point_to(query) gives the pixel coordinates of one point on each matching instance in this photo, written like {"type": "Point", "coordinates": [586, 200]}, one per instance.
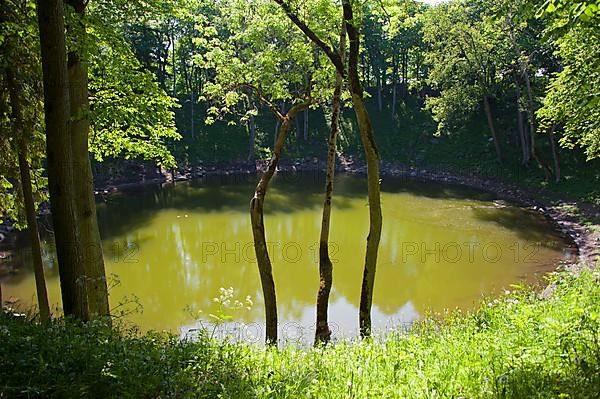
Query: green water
{"type": "Point", "coordinates": [174, 247]}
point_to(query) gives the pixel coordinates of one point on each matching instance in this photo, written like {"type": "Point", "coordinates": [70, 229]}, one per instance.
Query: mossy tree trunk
{"type": "Point", "coordinates": [368, 141]}
{"type": "Point", "coordinates": [372, 157]}
{"type": "Point", "coordinates": [85, 205]}
{"type": "Point", "coordinates": [59, 156]}
{"type": "Point", "coordinates": [323, 332]}
{"type": "Point", "coordinates": [258, 227]}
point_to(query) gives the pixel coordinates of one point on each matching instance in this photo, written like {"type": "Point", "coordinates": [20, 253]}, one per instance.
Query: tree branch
{"type": "Point", "coordinates": [331, 54]}
{"type": "Point", "coordinates": [262, 98]}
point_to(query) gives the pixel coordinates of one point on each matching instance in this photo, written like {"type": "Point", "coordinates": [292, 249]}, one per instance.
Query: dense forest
{"type": "Point", "coordinates": [100, 93]}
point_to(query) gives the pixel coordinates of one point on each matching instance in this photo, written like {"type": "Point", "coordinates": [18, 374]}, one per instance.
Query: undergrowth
{"type": "Point", "coordinates": [523, 345]}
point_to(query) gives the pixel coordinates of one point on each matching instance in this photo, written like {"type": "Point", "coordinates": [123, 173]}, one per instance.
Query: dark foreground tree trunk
{"type": "Point", "coordinates": [323, 332]}
{"type": "Point", "coordinates": [258, 227]}
{"type": "Point", "coordinates": [27, 189]}
{"type": "Point", "coordinates": [490, 120]}
{"type": "Point", "coordinates": [59, 156]}
{"type": "Point", "coordinates": [85, 205]}
{"type": "Point", "coordinates": [372, 157]}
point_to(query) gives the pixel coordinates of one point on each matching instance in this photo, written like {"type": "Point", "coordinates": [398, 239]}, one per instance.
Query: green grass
{"type": "Point", "coordinates": [519, 346]}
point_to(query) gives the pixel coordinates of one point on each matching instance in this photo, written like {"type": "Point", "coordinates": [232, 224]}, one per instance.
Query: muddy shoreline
{"type": "Point", "coordinates": [567, 216]}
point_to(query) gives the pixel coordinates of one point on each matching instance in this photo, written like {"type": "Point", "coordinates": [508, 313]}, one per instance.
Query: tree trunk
{"type": "Point", "coordinates": [306, 130]}
{"type": "Point", "coordinates": [379, 94]}
{"type": "Point", "coordinates": [59, 156]}
{"type": "Point", "coordinates": [252, 134]}
{"type": "Point", "coordinates": [34, 237]}
{"type": "Point", "coordinates": [298, 130]}
{"type": "Point", "coordinates": [323, 332]}
{"type": "Point", "coordinates": [372, 157]}
{"type": "Point", "coordinates": [173, 63]}
{"type": "Point", "coordinates": [555, 157]}
{"type": "Point", "coordinates": [394, 95]}
{"type": "Point", "coordinates": [490, 120]}
{"type": "Point", "coordinates": [193, 106]}
{"type": "Point", "coordinates": [394, 83]}
{"type": "Point", "coordinates": [85, 204]}
{"type": "Point", "coordinates": [27, 189]}
{"type": "Point", "coordinates": [520, 126]}
{"type": "Point", "coordinates": [258, 226]}
{"type": "Point", "coordinates": [278, 124]}
{"type": "Point", "coordinates": [368, 141]}
{"type": "Point", "coordinates": [404, 74]}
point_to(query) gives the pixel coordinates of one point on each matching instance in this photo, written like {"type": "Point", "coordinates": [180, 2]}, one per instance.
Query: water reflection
{"type": "Point", "coordinates": [442, 247]}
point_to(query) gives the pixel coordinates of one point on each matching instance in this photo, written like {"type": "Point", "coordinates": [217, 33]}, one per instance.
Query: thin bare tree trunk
{"type": "Point", "coordinates": [258, 226]}
{"type": "Point", "coordinates": [59, 156]}
{"type": "Point", "coordinates": [298, 130]}
{"type": "Point", "coordinates": [193, 106]}
{"type": "Point", "coordinates": [323, 332]}
{"type": "Point", "coordinates": [27, 189]}
{"type": "Point", "coordinates": [252, 133]}
{"type": "Point", "coordinates": [85, 204]}
{"type": "Point", "coordinates": [34, 236]}
{"type": "Point", "coordinates": [395, 83]}
{"type": "Point", "coordinates": [173, 62]}
{"type": "Point", "coordinates": [306, 126]}
{"type": "Point", "coordinates": [379, 93]}
{"type": "Point", "coordinates": [490, 120]}
{"type": "Point", "coordinates": [555, 157]}
{"type": "Point", "coordinates": [520, 125]}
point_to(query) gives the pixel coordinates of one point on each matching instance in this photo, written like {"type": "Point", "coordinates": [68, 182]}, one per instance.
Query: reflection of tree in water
{"type": "Point", "coordinates": [162, 242]}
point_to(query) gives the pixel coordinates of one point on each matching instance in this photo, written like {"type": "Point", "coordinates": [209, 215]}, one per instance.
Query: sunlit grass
{"type": "Point", "coordinates": [523, 345]}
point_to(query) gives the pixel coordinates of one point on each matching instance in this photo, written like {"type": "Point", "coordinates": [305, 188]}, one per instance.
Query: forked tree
{"type": "Point", "coordinates": [368, 142]}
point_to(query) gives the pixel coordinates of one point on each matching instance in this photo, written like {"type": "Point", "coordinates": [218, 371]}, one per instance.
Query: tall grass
{"type": "Point", "coordinates": [523, 345]}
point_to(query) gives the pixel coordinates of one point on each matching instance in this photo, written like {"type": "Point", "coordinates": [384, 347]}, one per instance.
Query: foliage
{"type": "Point", "coordinates": [18, 41]}
{"type": "Point", "coordinates": [468, 53]}
{"type": "Point", "coordinates": [131, 115]}
{"type": "Point", "coordinates": [263, 56]}
{"type": "Point", "coordinates": [573, 97]}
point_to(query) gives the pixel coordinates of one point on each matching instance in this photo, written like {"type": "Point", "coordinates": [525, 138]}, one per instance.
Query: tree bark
{"type": "Point", "coordinates": [555, 157]}
{"type": "Point", "coordinates": [490, 120]}
{"type": "Point", "coordinates": [85, 204]}
{"type": "Point", "coordinates": [278, 125]}
{"type": "Point", "coordinates": [395, 82]}
{"type": "Point", "coordinates": [258, 226]}
{"type": "Point", "coordinates": [27, 189]}
{"type": "Point", "coordinates": [379, 93]}
{"type": "Point", "coordinates": [34, 236]}
{"type": "Point", "coordinates": [323, 332]}
{"type": "Point", "coordinates": [372, 157]}
{"type": "Point", "coordinates": [59, 156]}
{"type": "Point", "coordinates": [252, 133]}
{"type": "Point", "coordinates": [520, 126]}
{"type": "Point", "coordinates": [306, 126]}
{"type": "Point", "coordinates": [192, 121]}
{"type": "Point", "coordinates": [370, 148]}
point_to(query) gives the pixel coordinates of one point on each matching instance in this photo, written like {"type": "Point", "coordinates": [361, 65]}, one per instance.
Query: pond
{"type": "Point", "coordinates": [174, 248]}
